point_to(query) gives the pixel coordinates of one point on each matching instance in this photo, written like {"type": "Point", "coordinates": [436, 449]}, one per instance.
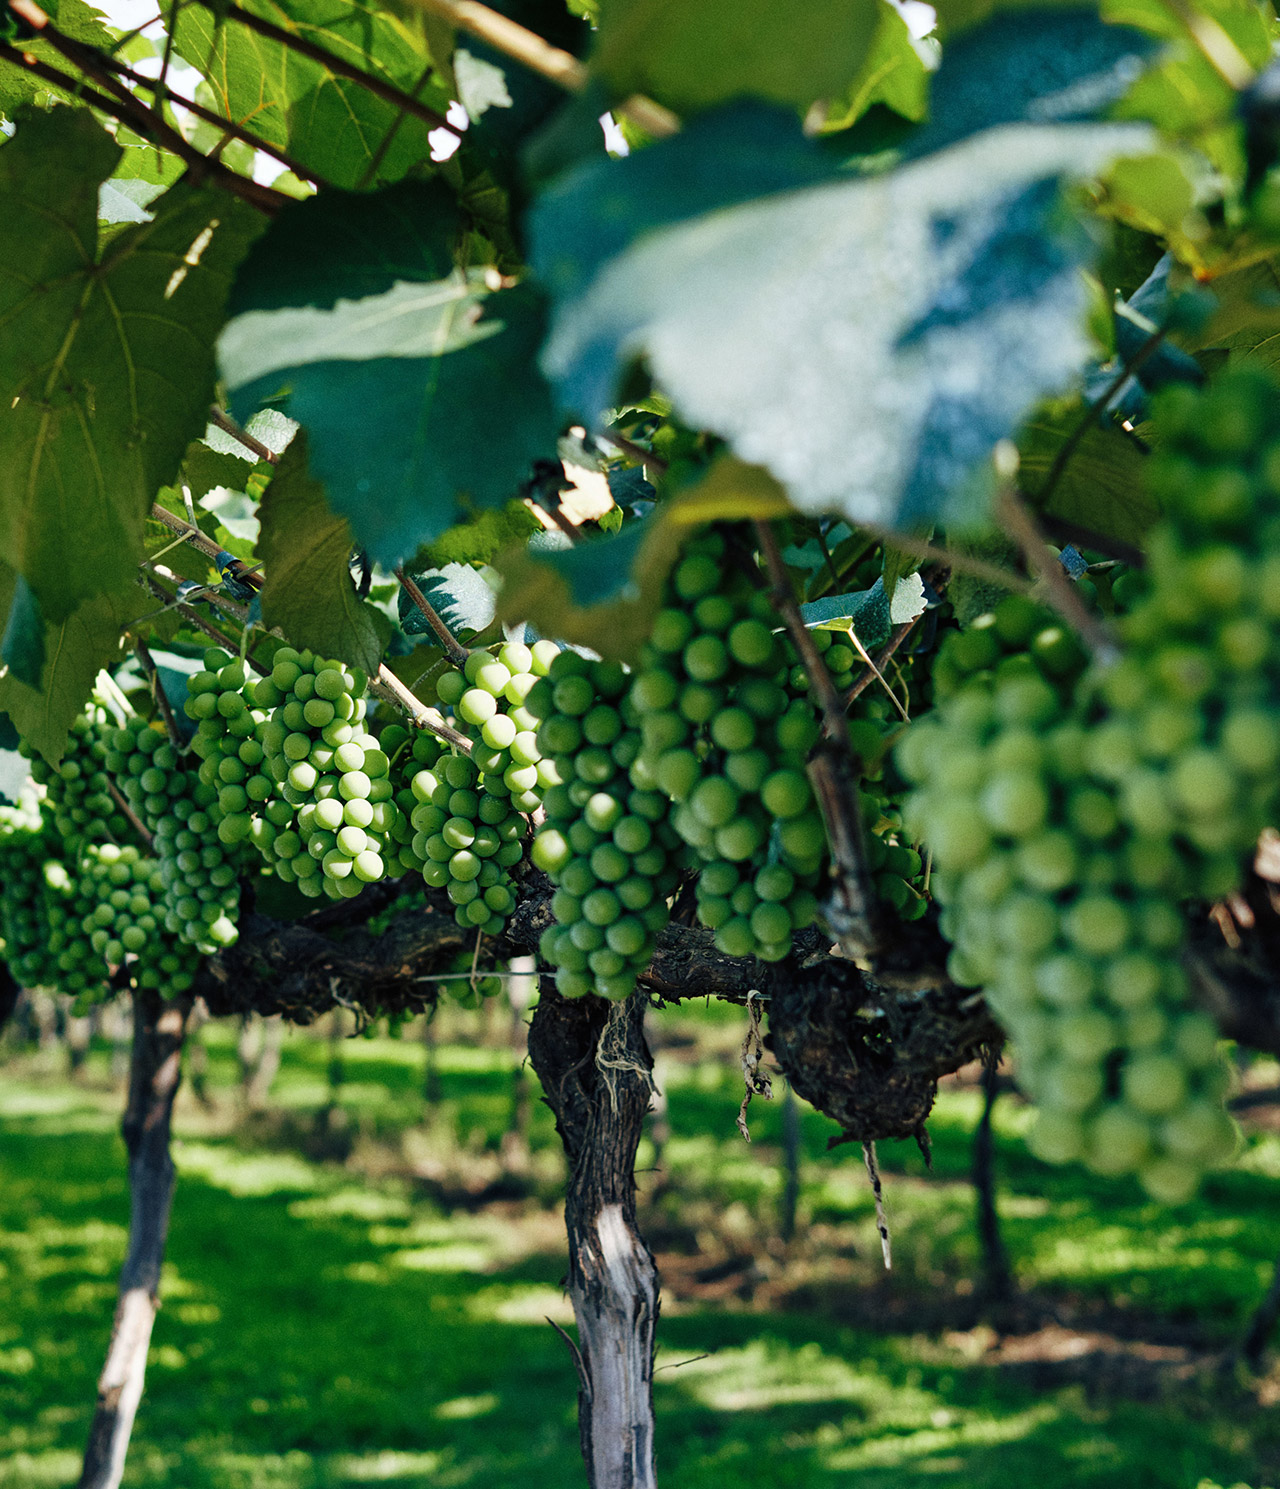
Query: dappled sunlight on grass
{"type": "Point", "coordinates": [329, 1326]}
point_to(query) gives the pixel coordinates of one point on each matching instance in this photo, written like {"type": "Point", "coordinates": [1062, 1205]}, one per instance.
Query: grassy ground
{"type": "Point", "coordinates": [383, 1319]}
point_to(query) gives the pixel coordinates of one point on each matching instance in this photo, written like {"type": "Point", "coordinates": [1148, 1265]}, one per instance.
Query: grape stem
{"type": "Point", "coordinates": [228, 425]}
{"type": "Point", "coordinates": [134, 820]}
{"type": "Point", "coordinates": [454, 649]}
{"type": "Point", "coordinates": [192, 617]}
{"type": "Point", "coordinates": [158, 693]}
{"type": "Point", "coordinates": [387, 686]}
{"type": "Point", "coordinates": [876, 667]}
{"type": "Point", "coordinates": [833, 772]}
{"type": "Point", "coordinates": [1016, 518]}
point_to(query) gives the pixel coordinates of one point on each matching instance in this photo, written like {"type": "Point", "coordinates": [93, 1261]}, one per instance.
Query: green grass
{"type": "Point", "coordinates": [330, 1326]}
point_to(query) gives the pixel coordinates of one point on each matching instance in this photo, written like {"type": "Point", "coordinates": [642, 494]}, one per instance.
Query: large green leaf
{"type": "Point", "coordinates": [306, 549]}
{"type": "Point", "coordinates": [75, 19]}
{"type": "Point", "coordinates": [106, 356]}
{"type": "Point", "coordinates": [692, 54]}
{"type": "Point", "coordinates": [397, 389]}
{"type": "Point", "coordinates": [893, 74]}
{"type": "Point", "coordinates": [868, 341]}
{"type": "Point", "coordinates": [74, 651]}
{"type": "Point", "coordinates": [369, 242]}
{"type": "Point", "coordinates": [331, 124]}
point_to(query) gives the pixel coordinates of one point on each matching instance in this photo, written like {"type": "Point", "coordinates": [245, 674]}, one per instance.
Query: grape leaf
{"type": "Point", "coordinates": [865, 612]}
{"type": "Point", "coordinates": [893, 74]}
{"type": "Point", "coordinates": [692, 54]}
{"type": "Point", "coordinates": [329, 124]}
{"type": "Point", "coordinates": [602, 594]}
{"type": "Point", "coordinates": [1103, 487]}
{"type": "Point", "coordinates": [305, 548]}
{"type": "Point", "coordinates": [112, 374]}
{"type": "Point", "coordinates": [867, 341]}
{"type": "Point", "coordinates": [1037, 66]}
{"type": "Point", "coordinates": [76, 20]}
{"type": "Point", "coordinates": [75, 649]}
{"type": "Point", "coordinates": [22, 648]}
{"type": "Point", "coordinates": [342, 245]}
{"type": "Point", "coordinates": [420, 363]}
{"type": "Point", "coordinates": [460, 595]}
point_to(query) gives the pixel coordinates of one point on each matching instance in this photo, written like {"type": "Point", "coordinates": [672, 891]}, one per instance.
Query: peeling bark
{"type": "Point", "coordinates": [155, 1072]}
{"type": "Point", "coordinates": [594, 1065]}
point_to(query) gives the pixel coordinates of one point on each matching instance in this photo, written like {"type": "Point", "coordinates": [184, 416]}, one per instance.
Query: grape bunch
{"type": "Point", "coordinates": [80, 806]}
{"type": "Point", "coordinates": [470, 813]}
{"type": "Point", "coordinates": [607, 841]}
{"type": "Point", "coordinates": [24, 925]}
{"type": "Point", "coordinates": [725, 735]}
{"type": "Point", "coordinates": [331, 774]}
{"type": "Point", "coordinates": [1192, 740]}
{"type": "Point", "coordinates": [199, 871]}
{"type": "Point", "coordinates": [1067, 918]}
{"type": "Point", "coordinates": [74, 966]}
{"type": "Point", "coordinates": [126, 923]}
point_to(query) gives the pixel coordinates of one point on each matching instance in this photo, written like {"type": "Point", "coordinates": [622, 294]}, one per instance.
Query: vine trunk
{"type": "Point", "coordinates": [595, 1067]}
{"type": "Point", "coordinates": [155, 1071]}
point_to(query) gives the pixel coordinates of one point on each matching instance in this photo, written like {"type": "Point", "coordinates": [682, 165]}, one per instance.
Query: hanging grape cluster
{"type": "Point", "coordinates": [125, 926]}
{"type": "Point", "coordinates": [1192, 737]}
{"type": "Point", "coordinates": [1067, 919]}
{"type": "Point", "coordinates": [80, 806]}
{"type": "Point", "coordinates": [331, 775]}
{"type": "Point", "coordinates": [24, 923]}
{"type": "Point", "coordinates": [607, 840]}
{"type": "Point", "coordinates": [201, 896]}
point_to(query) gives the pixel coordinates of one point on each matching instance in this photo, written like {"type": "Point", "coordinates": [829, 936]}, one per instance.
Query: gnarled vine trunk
{"type": "Point", "coordinates": [594, 1065]}
{"type": "Point", "coordinates": [154, 1074]}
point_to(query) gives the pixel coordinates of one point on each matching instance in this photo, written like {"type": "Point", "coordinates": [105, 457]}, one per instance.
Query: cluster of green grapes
{"type": "Point", "coordinates": [725, 735]}
{"type": "Point", "coordinates": [606, 841]}
{"type": "Point", "coordinates": [74, 966]}
{"type": "Point", "coordinates": [79, 802]}
{"type": "Point", "coordinates": [125, 924]}
{"type": "Point", "coordinates": [201, 893]}
{"type": "Point", "coordinates": [330, 774]}
{"type": "Point", "coordinates": [1192, 739]}
{"type": "Point", "coordinates": [470, 813]}
{"type": "Point", "coordinates": [24, 924]}
{"type": "Point", "coordinates": [1068, 919]}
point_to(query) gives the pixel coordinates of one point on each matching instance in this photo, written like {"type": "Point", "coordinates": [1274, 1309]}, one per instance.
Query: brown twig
{"type": "Point", "coordinates": [1015, 516]}
{"type": "Point", "coordinates": [158, 693]}
{"type": "Point", "coordinates": [962, 563]}
{"type": "Point", "coordinates": [193, 618]}
{"type": "Point", "coordinates": [833, 772]}
{"type": "Point", "coordinates": [134, 820]}
{"type": "Point", "coordinates": [252, 443]}
{"type": "Point", "coordinates": [192, 535]}
{"type": "Point", "coordinates": [388, 92]}
{"type": "Point", "coordinates": [130, 110]}
{"type": "Point", "coordinates": [87, 58]}
{"type": "Point", "coordinates": [454, 649]}
{"type": "Point", "coordinates": [1085, 537]}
